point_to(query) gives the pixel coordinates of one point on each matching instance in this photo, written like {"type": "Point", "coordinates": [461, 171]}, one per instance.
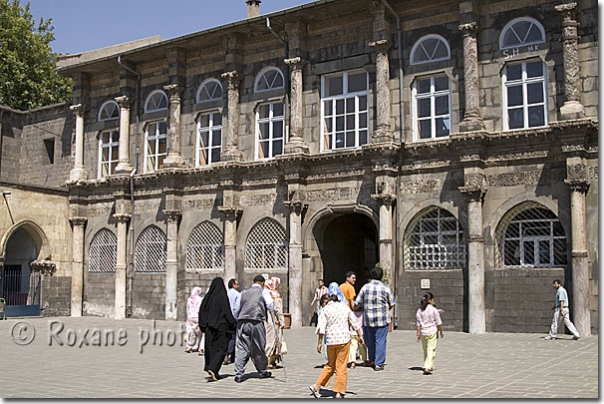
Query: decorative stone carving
{"type": "Point", "coordinates": [174, 158]}
{"type": "Point", "coordinates": [296, 142]}
{"type": "Point", "coordinates": [230, 212]}
{"type": "Point", "coordinates": [45, 267]}
{"type": "Point", "coordinates": [78, 221]}
{"type": "Point", "coordinates": [421, 186]}
{"type": "Point", "coordinates": [78, 110]}
{"type": "Point", "coordinates": [173, 215]}
{"type": "Point", "coordinates": [472, 120]}
{"type": "Point", "coordinates": [474, 186]}
{"type": "Point", "coordinates": [578, 186]}
{"type": "Point", "coordinates": [231, 151]}
{"type": "Point", "coordinates": [576, 172]}
{"type": "Point", "coordinates": [122, 217]}
{"type": "Point", "coordinates": [383, 132]}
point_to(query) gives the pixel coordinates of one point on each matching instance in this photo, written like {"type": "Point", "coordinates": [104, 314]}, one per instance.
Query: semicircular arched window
{"type": "Point", "coordinates": [150, 251]}
{"type": "Point", "coordinates": [267, 246]}
{"type": "Point", "coordinates": [430, 48]}
{"type": "Point", "coordinates": [269, 78]}
{"type": "Point", "coordinates": [205, 247]}
{"type": "Point", "coordinates": [103, 252]}
{"type": "Point", "coordinates": [109, 111]}
{"type": "Point", "coordinates": [521, 32]}
{"type": "Point", "coordinates": [531, 236]}
{"type": "Point", "coordinates": [209, 90]}
{"type": "Point", "coordinates": [436, 241]}
{"type": "Point", "coordinates": [157, 101]}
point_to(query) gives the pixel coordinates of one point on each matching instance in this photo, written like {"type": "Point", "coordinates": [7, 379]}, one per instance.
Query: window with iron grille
{"type": "Point", "coordinates": [267, 246]}
{"type": "Point", "coordinates": [436, 241]}
{"type": "Point", "coordinates": [103, 251]}
{"type": "Point", "coordinates": [531, 236]}
{"type": "Point", "coordinates": [150, 251]}
{"type": "Point", "coordinates": [205, 247]}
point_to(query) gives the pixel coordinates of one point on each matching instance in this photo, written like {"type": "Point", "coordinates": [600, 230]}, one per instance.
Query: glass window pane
{"type": "Point", "coordinates": [363, 137]}
{"type": "Point", "coordinates": [339, 107]}
{"type": "Point", "coordinates": [350, 105]}
{"type": "Point", "coordinates": [217, 118]}
{"type": "Point", "coordinates": [216, 138]}
{"type": "Point", "coordinates": [536, 116]}
{"type": "Point", "coordinates": [425, 129]}
{"type": "Point", "coordinates": [363, 120]}
{"type": "Point", "coordinates": [339, 140]}
{"type": "Point", "coordinates": [516, 118]}
{"type": "Point", "coordinates": [163, 128]}
{"type": "Point", "coordinates": [340, 123]}
{"type": "Point", "coordinates": [529, 253]}
{"type": "Point", "coordinates": [215, 155]}
{"type": "Point", "coordinates": [513, 230]}
{"type": "Point", "coordinates": [277, 129]}
{"type": "Point", "coordinates": [534, 69]}
{"type": "Point", "coordinates": [442, 105]}
{"type": "Point", "coordinates": [514, 72]}
{"type": "Point", "coordinates": [203, 139]}
{"type": "Point", "coordinates": [204, 120]}
{"type": "Point", "coordinates": [335, 85]}
{"type": "Point", "coordinates": [560, 252]}
{"type": "Point", "coordinates": [277, 147]}
{"type": "Point", "coordinates": [558, 229]}
{"type": "Point", "coordinates": [441, 83]}
{"type": "Point", "coordinates": [544, 251]}
{"type": "Point", "coordinates": [278, 109]}
{"type": "Point", "coordinates": [515, 96]}
{"type": "Point", "coordinates": [263, 148]}
{"type": "Point", "coordinates": [423, 106]}
{"type": "Point", "coordinates": [328, 107]}
{"type": "Point", "coordinates": [350, 121]}
{"type": "Point", "coordinates": [423, 86]}
{"type": "Point", "coordinates": [534, 93]}
{"type": "Point", "coordinates": [350, 139]}
{"type": "Point", "coordinates": [511, 253]}
{"type": "Point", "coordinates": [328, 125]}
{"type": "Point", "coordinates": [264, 130]}
{"type": "Point", "coordinates": [264, 111]}
{"type": "Point", "coordinates": [357, 82]}
{"type": "Point", "coordinates": [362, 103]}
{"type": "Point", "coordinates": [442, 127]}
{"type": "Point", "coordinates": [162, 146]}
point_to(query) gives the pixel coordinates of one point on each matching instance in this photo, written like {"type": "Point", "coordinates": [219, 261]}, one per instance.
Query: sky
{"type": "Point", "coordinates": [83, 25]}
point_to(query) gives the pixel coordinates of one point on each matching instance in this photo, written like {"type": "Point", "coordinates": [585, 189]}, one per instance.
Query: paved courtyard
{"type": "Point", "coordinates": [493, 365]}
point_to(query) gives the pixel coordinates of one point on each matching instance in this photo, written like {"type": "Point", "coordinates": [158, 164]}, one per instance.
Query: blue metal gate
{"type": "Point", "coordinates": [21, 290]}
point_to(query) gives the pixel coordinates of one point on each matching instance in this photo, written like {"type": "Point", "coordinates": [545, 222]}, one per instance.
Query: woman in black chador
{"type": "Point", "coordinates": [218, 324]}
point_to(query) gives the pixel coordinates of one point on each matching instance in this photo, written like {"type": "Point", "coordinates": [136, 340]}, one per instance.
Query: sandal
{"type": "Point", "coordinates": [313, 391]}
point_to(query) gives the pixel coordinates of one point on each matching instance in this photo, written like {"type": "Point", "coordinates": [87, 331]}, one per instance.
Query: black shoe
{"type": "Point", "coordinates": [265, 375]}
{"type": "Point", "coordinates": [238, 379]}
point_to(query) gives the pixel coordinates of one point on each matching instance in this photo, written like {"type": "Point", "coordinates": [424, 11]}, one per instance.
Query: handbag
{"type": "Point", "coordinates": [283, 348]}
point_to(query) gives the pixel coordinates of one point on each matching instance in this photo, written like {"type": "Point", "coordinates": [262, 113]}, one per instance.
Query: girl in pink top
{"type": "Point", "coordinates": [428, 325]}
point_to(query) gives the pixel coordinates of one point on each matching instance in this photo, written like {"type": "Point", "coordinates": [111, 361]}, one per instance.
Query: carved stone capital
{"type": "Point", "coordinates": [469, 28]}
{"type": "Point", "coordinates": [576, 172]}
{"type": "Point", "coordinates": [173, 215]}
{"type": "Point", "coordinates": [296, 63]}
{"type": "Point", "coordinates": [122, 217]}
{"type": "Point", "coordinates": [123, 101]}
{"type": "Point", "coordinates": [230, 212]}
{"type": "Point", "coordinates": [577, 186]}
{"type": "Point", "coordinates": [45, 267]}
{"type": "Point", "coordinates": [381, 46]}
{"type": "Point", "coordinates": [78, 220]}
{"type": "Point", "coordinates": [384, 199]}
{"type": "Point", "coordinates": [233, 79]}
{"type": "Point", "coordinates": [296, 206]}
{"type": "Point", "coordinates": [474, 192]}
{"type": "Point", "coordinates": [174, 91]}
{"type": "Point", "coordinates": [78, 110]}
{"type": "Point", "coordinates": [566, 8]}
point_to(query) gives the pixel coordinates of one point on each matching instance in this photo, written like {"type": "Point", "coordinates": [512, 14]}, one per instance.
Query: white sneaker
{"type": "Point", "coordinates": [576, 337]}
{"type": "Point", "coordinates": [549, 337]}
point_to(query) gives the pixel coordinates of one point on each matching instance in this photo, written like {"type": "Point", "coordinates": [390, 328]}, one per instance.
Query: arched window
{"type": "Point", "coordinates": [209, 90]}
{"type": "Point", "coordinates": [269, 78]}
{"type": "Point", "coordinates": [521, 32]}
{"type": "Point", "coordinates": [205, 247]}
{"type": "Point", "coordinates": [266, 246]}
{"type": "Point", "coordinates": [435, 241]}
{"type": "Point", "coordinates": [430, 48]}
{"type": "Point", "coordinates": [109, 111]}
{"type": "Point", "coordinates": [157, 101]}
{"type": "Point", "coordinates": [150, 251]}
{"type": "Point", "coordinates": [103, 251]}
{"type": "Point", "coordinates": [531, 236]}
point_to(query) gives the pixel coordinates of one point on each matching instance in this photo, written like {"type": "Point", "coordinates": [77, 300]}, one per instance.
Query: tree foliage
{"type": "Point", "coordinates": [27, 63]}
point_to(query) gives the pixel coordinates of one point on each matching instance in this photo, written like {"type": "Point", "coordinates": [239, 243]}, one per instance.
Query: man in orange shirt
{"type": "Point", "coordinates": [347, 288]}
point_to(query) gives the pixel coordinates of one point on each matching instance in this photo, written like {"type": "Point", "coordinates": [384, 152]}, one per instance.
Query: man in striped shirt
{"type": "Point", "coordinates": [376, 299]}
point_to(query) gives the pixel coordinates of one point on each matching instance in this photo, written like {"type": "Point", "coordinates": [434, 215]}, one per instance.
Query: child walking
{"type": "Point", "coordinates": [428, 325]}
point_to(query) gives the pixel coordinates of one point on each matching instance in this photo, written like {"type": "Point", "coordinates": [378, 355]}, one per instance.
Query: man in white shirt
{"type": "Point", "coordinates": [561, 310]}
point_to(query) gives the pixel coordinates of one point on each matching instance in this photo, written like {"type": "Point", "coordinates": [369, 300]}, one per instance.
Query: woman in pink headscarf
{"type": "Point", "coordinates": [193, 331]}
{"type": "Point", "coordinates": [273, 348]}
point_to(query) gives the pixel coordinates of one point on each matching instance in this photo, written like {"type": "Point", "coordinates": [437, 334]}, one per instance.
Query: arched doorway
{"type": "Point", "coordinates": [349, 243]}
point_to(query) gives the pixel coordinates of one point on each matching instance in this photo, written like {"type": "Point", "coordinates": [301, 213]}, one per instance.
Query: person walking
{"type": "Point", "coordinates": [334, 323]}
{"type": "Point", "coordinates": [355, 346]}
{"type": "Point", "coordinates": [234, 301]}
{"type": "Point", "coordinates": [192, 325]}
{"type": "Point", "coordinates": [376, 299]}
{"type": "Point", "coordinates": [273, 340]}
{"type": "Point", "coordinates": [561, 309]}
{"type": "Point", "coordinates": [428, 324]}
{"type": "Point", "coordinates": [251, 334]}
{"type": "Point", "coordinates": [320, 291]}
{"type": "Point", "coordinates": [217, 322]}
{"type": "Point", "coordinates": [347, 288]}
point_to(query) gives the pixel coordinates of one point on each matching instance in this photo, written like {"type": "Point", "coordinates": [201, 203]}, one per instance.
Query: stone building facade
{"type": "Point", "coordinates": [454, 143]}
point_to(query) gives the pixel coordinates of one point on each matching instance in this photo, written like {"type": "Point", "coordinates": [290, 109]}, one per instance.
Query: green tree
{"type": "Point", "coordinates": [27, 63]}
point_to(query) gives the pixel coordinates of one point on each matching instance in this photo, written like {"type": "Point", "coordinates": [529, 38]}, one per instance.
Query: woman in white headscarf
{"type": "Point", "coordinates": [273, 346]}
{"type": "Point", "coordinates": [193, 332]}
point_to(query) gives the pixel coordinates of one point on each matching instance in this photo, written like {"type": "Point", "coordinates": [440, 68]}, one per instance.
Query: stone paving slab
{"type": "Point", "coordinates": [468, 366]}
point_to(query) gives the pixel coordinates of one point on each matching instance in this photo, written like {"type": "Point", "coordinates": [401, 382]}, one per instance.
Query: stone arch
{"type": "Point", "coordinates": [36, 233]}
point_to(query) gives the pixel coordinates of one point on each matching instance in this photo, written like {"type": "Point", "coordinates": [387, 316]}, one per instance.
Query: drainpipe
{"type": "Point", "coordinates": [400, 65]}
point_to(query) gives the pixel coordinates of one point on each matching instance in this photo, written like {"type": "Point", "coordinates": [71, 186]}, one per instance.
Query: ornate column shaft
{"type": "Point", "coordinates": [472, 120]}
{"type": "Point", "coordinates": [174, 157]}
{"type": "Point", "coordinates": [572, 108]}
{"type": "Point", "coordinates": [385, 196]}
{"type": "Point", "coordinates": [123, 166]}
{"type": "Point", "coordinates": [121, 264]}
{"type": "Point", "coordinates": [296, 206]}
{"type": "Point", "coordinates": [77, 266]}
{"type": "Point", "coordinates": [296, 142]}
{"type": "Point", "coordinates": [78, 172]}
{"type": "Point", "coordinates": [383, 107]}
{"type": "Point", "coordinates": [172, 263]}
{"type": "Point", "coordinates": [232, 152]}
{"type": "Point", "coordinates": [230, 241]}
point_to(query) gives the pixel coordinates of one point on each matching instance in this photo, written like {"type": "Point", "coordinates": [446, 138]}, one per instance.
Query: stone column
{"type": "Point", "coordinates": [230, 241]}
{"type": "Point", "coordinates": [123, 166]}
{"type": "Point", "coordinates": [231, 151]}
{"type": "Point", "coordinates": [472, 120]}
{"type": "Point", "coordinates": [172, 263]}
{"type": "Point", "coordinates": [476, 286]}
{"type": "Point", "coordinates": [572, 108]}
{"type": "Point", "coordinates": [121, 264]}
{"type": "Point", "coordinates": [77, 266]}
{"type": "Point", "coordinates": [385, 188]}
{"type": "Point", "coordinates": [174, 158]}
{"type": "Point", "coordinates": [296, 142]}
{"type": "Point", "coordinates": [580, 259]}
{"type": "Point", "coordinates": [79, 172]}
{"type": "Point", "coordinates": [383, 105]}
{"type": "Point", "coordinates": [296, 206]}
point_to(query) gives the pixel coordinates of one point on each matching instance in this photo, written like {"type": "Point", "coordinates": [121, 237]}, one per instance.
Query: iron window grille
{"type": "Point", "coordinates": [531, 236]}
{"type": "Point", "coordinates": [150, 251]}
{"type": "Point", "coordinates": [103, 252]}
{"type": "Point", "coordinates": [266, 246]}
{"type": "Point", "coordinates": [205, 247]}
{"type": "Point", "coordinates": [209, 138]}
{"type": "Point", "coordinates": [436, 241]}
{"type": "Point", "coordinates": [432, 107]}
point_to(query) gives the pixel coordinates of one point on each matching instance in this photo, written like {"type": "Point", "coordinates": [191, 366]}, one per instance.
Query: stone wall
{"type": "Point", "coordinates": [148, 296]}
{"type": "Point", "coordinates": [99, 294]}
{"type": "Point", "coordinates": [56, 296]}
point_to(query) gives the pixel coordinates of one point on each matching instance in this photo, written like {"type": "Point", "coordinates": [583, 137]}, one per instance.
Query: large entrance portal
{"type": "Point", "coordinates": [349, 243]}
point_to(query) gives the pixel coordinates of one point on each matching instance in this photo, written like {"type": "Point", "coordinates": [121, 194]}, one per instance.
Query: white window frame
{"type": "Point", "coordinates": [216, 95]}
{"type": "Point", "coordinates": [210, 129]}
{"type": "Point", "coordinates": [271, 120]}
{"type": "Point", "coordinates": [524, 82]}
{"type": "Point", "coordinates": [112, 110]}
{"type": "Point", "coordinates": [154, 101]}
{"type": "Point", "coordinates": [510, 26]}
{"type": "Point", "coordinates": [432, 95]}
{"type": "Point", "coordinates": [344, 96]}
{"type": "Point", "coordinates": [420, 44]}
{"type": "Point", "coordinates": [154, 140]}
{"type": "Point", "coordinates": [113, 150]}
{"type": "Point", "coordinates": [271, 86]}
